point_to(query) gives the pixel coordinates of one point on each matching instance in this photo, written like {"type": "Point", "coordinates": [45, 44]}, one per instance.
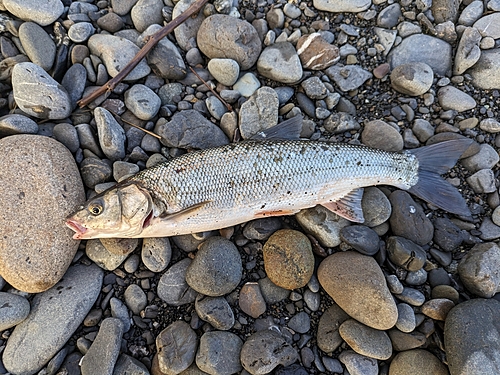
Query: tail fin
{"type": "Point", "coordinates": [435, 160]}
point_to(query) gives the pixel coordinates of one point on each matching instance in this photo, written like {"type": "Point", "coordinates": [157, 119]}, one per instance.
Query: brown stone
{"type": "Point", "coordinates": [316, 53]}
{"type": "Point", "coordinates": [41, 185]}
{"type": "Point", "coordinates": [251, 300]}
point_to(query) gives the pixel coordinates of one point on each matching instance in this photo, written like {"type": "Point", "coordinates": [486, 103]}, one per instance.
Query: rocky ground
{"type": "Point", "coordinates": [411, 291]}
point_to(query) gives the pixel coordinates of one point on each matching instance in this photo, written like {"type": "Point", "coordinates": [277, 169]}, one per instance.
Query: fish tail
{"type": "Point", "coordinates": [435, 160]}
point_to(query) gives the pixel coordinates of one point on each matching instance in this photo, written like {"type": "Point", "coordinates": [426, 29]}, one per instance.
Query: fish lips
{"type": "Point", "coordinates": [77, 228]}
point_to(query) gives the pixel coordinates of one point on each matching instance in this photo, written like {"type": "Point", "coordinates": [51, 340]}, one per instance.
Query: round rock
{"type": "Point", "coordinates": [156, 253]}
{"type": "Point", "coordinates": [142, 102]}
{"type": "Point", "coordinates": [360, 238]}
{"type": "Point", "coordinates": [342, 6]}
{"type": "Point", "coordinates": [172, 287]}
{"type": "Point", "coordinates": [219, 353]}
{"type": "Point", "coordinates": [356, 283]}
{"type": "Point", "coordinates": [216, 311]}
{"type": "Point", "coordinates": [452, 98]}
{"type": "Point", "coordinates": [176, 348]}
{"type": "Point", "coordinates": [50, 184]}
{"type": "Point", "coordinates": [216, 270]}
{"type": "Point", "coordinates": [412, 79]}
{"type": "Point", "coordinates": [222, 36]}
{"type": "Point", "coordinates": [417, 361]}
{"type": "Point", "coordinates": [486, 72]}
{"type": "Point", "coordinates": [38, 45]}
{"type": "Point", "coordinates": [280, 62]}
{"type": "Point", "coordinates": [226, 71]}
{"type": "Point", "coordinates": [365, 340]}
{"type": "Point", "coordinates": [288, 259]}
{"type": "Point", "coordinates": [43, 12]}
{"type": "Point", "coordinates": [379, 134]}
{"type": "Point", "coordinates": [14, 310]}
{"type": "Point", "coordinates": [376, 207]}
{"type": "Point", "coordinates": [251, 300]}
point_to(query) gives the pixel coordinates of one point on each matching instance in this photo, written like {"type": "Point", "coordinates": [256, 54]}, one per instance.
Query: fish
{"type": "Point", "coordinates": [265, 176]}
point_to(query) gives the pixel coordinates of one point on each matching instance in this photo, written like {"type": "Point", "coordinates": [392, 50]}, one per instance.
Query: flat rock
{"type": "Point", "coordinates": [38, 45]}
{"type": "Point", "coordinates": [17, 124]}
{"type": "Point", "coordinates": [472, 337]}
{"type": "Point", "coordinates": [176, 347]}
{"type": "Point", "coordinates": [172, 287]}
{"type": "Point", "coordinates": [116, 53]}
{"type": "Point", "coordinates": [156, 253]}
{"type": "Point", "coordinates": [259, 112]}
{"type": "Point", "coordinates": [55, 315]}
{"type": "Point", "coordinates": [348, 77]}
{"type": "Point", "coordinates": [219, 353]}
{"type": "Point", "coordinates": [343, 6]}
{"type": "Point", "coordinates": [43, 12]}
{"type": "Point", "coordinates": [38, 94]}
{"type": "Point", "coordinates": [222, 36]}
{"type": "Point", "coordinates": [29, 264]}
{"type": "Point", "coordinates": [486, 72]}
{"type": "Point", "coordinates": [216, 311]}
{"type": "Point", "coordinates": [365, 340]}
{"type": "Point", "coordinates": [328, 336]}
{"type": "Point", "coordinates": [489, 25]}
{"type": "Point", "coordinates": [423, 48]}
{"type": "Point", "coordinates": [452, 98]}
{"type": "Point", "coordinates": [280, 62]}
{"type": "Point", "coordinates": [14, 310]}
{"type": "Point", "coordinates": [356, 283]}
{"type": "Point", "coordinates": [417, 361]}
{"type": "Point", "coordinates": [414, 78]}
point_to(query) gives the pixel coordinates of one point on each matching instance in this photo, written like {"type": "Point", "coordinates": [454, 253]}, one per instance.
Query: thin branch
{"type": "Point", "coordinates": [228, 106]}
{"type": "Point", "coordinates": [153, 40]}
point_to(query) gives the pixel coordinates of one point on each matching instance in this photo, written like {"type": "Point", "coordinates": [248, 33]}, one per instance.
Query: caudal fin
{"type": "Point", "coordinates": [435, 160]}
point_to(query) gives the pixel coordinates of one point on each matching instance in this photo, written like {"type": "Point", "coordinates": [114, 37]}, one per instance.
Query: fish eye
{"type": "Point", "coordinates": [95, 209]}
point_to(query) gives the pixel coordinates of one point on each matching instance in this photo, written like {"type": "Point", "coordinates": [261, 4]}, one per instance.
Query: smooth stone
{"type": "Point", "coordinates": [447, 235]}
{"type": "Point", "coordinates": [356, 283]}
{"type": "Point", "coordinates": [164, 59]}
{"type": "Point", "coordinates": [316, 53]}
{"type": "Point", "coordinates": [414, 78]}
{"type": "Point", "coordinates": [387, 38]}
{"type": "Point", "coordinates": [280, 62]}
{"type": "Point", "coordinates": [376, 207]}
{"type": "Point", "coordinates": [120, 246]}
{"type": "Point", "coordinates": [416, 361]}
{"type": "Point", "coordinates": [360, 238]}
{"type": "Point", "coordinates": [486, 72]}
{"type": "Point", "coordinates": [222, 36]}
{"type": "Point", "coordinates": [405, 253]}
{"type": "Point", "coordinates": [80, 32]}
{"type": "Point", "coordinates": [123, 169]}
{"type": "Point", "coordinates": [379, 134]}
{"type": "Point", "coordinates": [126, 365]}
{"type": "Point", "coordinates": [172, 287]}
{"type": "Point", "coordinates": [323, 224]}
{"type": "Point", "coordinates": [103, 353]}
{"type": "Point", "coordinates": [111, 22]}
{"type": "Point", "coordinates": [486, 158]}
{"type": "Point", "coordinates": [219, 353]}
{"type": "Point", "coordinates": [490, 125]}
{"type": "Point", "coordinates": [328, 336]}
{"type": "Point", "coordinates": [288, 259]}
{"type": "Point", "coordinates": [142, 102]}
{"type": "Point", "coordinates": [452, 98]}
{"type": "Point", "coordinates": [472, 337]}
{"type": "Point", "coordinates": [423, 48]}
{"type": "Point", "coordinates": [263, 351]}
{"type": "Point", "coordinates": [116, 53]}
{"type": "Point", "coordinates": [74, 81]}
{"type": "Point", "coordinates": [251, 300]}
{"type": "Point", "coordinates": [31, 84]}
{"type": "Point", "coordinates": [17, 124]}
{"type": "Point", "coordinates": [468, 50]}
{"type": "Point", "coordinates": [271, 292]}
{"type": "Point", "coordinates": [408, 219]}
{"type": "Point", "coordinates": [406, 341]}
{"type": "Point", "coordinates": [479, 269]}
{"type": "Point", "coordinates": [261, 229]}
{"type": "Point", "coordinates": [95, 171]}
{"type": "Point", "coordinates": [389, 16]}
{"type": "Point", "coordinates": [120, 311]}
{"type": "Point", "coordinates": [111, 134]}
{"type": "Point", "coordinates": [29, 264]}
{"type": "Point", "coordinates": [247, 85]}
{"type": "Point", "coordinates": [43, 12]}
{"type": "Point", "coordinates": [135, 298]}
{"type": "Point", "coordinates": [471, 13]}
{"type": "Point", "coordinates": [437, 308]}
{"type": "Point", "coordinates": [101, 256]}
{"type": "Point", "coordinates": [156, 253]}
{"type": "Point", "coordinates": [344, 6]}
{"type": "Point", "coordinates": [146, 13]}
{"type": "Point", "coordinates": [406, 318]}
{"type": "Point", "coordinates": [349, 77]}
{"type": "Point", "coordinates": [411, 296]}
{"type": "Point", "coordinates": [190, 129]}
{"type": "Point", "coordinates": [445, 10]}
{"type": "Point", "coordinates": [483, 181]}
{"type": "Point", "coordinates": [54, 317]}
{"type": "Point", "coordinates": [217, 268]}
{"type": "Point", "coordinates": [366, 341]}
{"type": "Point", "coordinates": [358, 364]}
{"type": "Point", "coordinates": [176, 347]}
{"type": "Point", "coordinates": [226, 71]}
{"type": "Point", "coordinates": [489, 25]}
{"type": "Point", "coordinates": [259, 112]}
{"type": "Point", "coordinates": [300, 322]}
{"type": "Point", "coordinates": [14, 309]}
{"type": "Point", "coordinates": [38, 45]}
{"type": "Point", "coordinates": [185, 33]}
{"type": "Point", "coordinates": [216, 311]}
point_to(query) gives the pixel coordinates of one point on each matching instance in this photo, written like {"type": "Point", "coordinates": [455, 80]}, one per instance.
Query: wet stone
{"type": "Point", "coordinates": [172, 287]}
{"type": "Point", "coordinates": [176, 348]}
{"type": "Point", "coordinates": [365, 340]}
{"type": "Point", "coordinates": [216, 311]}
{"type": "Point", "coordinates": [361, 238]}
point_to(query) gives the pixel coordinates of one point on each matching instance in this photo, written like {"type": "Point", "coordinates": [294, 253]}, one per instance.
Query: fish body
{"type": "Point", "coordinates": [224, 186]}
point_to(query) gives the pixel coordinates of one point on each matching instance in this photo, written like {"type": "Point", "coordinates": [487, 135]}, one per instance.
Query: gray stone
{"type": "Point", "coordinates": [189, 129]}
{"type": "Point", "coordinates": [216, 311]}
{"type": "Point", "coordinates": [414, 78]}
{"type": "Point", "coordinates": [423, 48]}
{"type": "Point", "coordinates": [471, 13]}
{"type": "Point", "coordinates": [156, 253]}
{"type": "Point", "coordinates": [38, 94]}
{"type": "Point", "coordinates": [271, 292]}
{"type": "Point", "coordinates": [376, 207]}
{"type": "Point", "coordinates": [111, 134]}
{"type": "Point", "coordinates": [422, 129]}
{"type": "Point", "coordinates": [486, 158]}
{"type": "Point", "coordinates": [126, 365]}
{"type": "Point", "coordinates": [54, 317]}
{"type": "Point", "coordinates": [74, 81]}
{"type": "Point", "coordinates": [146, 13]}
{"type": "Point", "coordinates": [219, 353]}
{"type": "Point", "coordinates": [489, 25]}
{"type": "Point", "coordinates": [17, 124]}
{"type": "Point", "coordinates": [226, 71]}
{"type": "Point", "coordinates": [447, 235]}
{"type": "Point", "coordinates": [81, 32]}
{"type": "Point", "coordinates": [105, 259]}
{"type": "Point", "coordinates": [116, 53]}
{"type": "Point", "coordinates": [314, 88]}
{"type": "Point", "coordinates": [300, 322]}
{"type": "Point", "coordinates": [344, 6]}
{"type": "Point", "coordinates": [280, 62]}
{"type": "Point", "coordinates": [486, 72]}
{"type": "Point", "coordinates": [417, 361]}
{"type": "Point", "coordinates": [379, 134]}
{"type": "Point", "coordinates": [360, 238]}
{"type": "Point", "coordinates": [340, 122]}
{"type": "Point", "coordinates": [386, 38]}
{"type": "Point", "coordinates": [406, 318]}
{"type": "Point", "coordinates": [135, 298]}
{"type": "Point", "coordinates": [357, 285]}
{"type": "Point", "coordinates": [490, 125]}
{"type": "Point", "coordinates": [247, 85]}
{"type": "Point", "coordinates": [259, 112]}
{"type": "Point", "coordinates": [176, 347]}
{"type": "Point", "coordinates": [123, 169]}
{"type": "Point", "coordinates": [29, 264]}
{"type": "Point", "coordinates": [120, 311]}
{"type": "Point", "coordinates": [95, 171]}
{"type": "Point", "coordinates": [14, 310]}
{"type": "Point", "coordinates": [185, 33]}
{"type": "Point", "coordinates": [349, 77]}
{"type": "Point", "coordinates": [215, 107]}
{"type": "Point", "coordinates": [358, 364]}
{"type": "Point", "coordinates": [222, 36]}
{"type": "Point", "coordinates": [103, 353]}
{"type": "Point", "coordinates": [38, 45]}
{"type": "Point", "coordinates": [452, 98]}
{"type": "Point", "coordinates": [328, 336]}
{"type": "Point", "coordinates": [483, 181]}
{"type": "Point", "coordinates": [142, 102]}
{"type": "Point", "coordinates": [172, 287]}
{"type": "Point", "coordinates": [405, 253]}
{"type": "Point", "coordinates": [389, 16]}
{"type": "Point", "coordinates": [263, 351]}
{"type": "Point", "coordinates": [468, 51]}
{"type": "Point", "coordinates": [365, 340]}
{"type": "Point", "coordinates": [42, 12]}
{"type": "Point", "coordinates": [411, 296]}
{"type": "Point", "coordinates": [479, 269]}
{"type": "Point", "coordinates": [217, 269]}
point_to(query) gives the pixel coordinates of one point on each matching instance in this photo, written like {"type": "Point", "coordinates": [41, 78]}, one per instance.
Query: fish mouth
{"type": "Point", "coordinates": [77, 228]}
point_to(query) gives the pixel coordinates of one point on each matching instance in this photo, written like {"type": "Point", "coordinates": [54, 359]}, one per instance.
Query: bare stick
{"type": "Point", "coordinates": [155, 38]}
{"type": "Point", "coordinates": [228, 106]}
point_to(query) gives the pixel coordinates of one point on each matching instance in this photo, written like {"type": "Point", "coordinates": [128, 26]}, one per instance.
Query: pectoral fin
{"type": "Point", "coordinates": [349, 206]}
{"type": "Point", "coordinates": [185, 213]}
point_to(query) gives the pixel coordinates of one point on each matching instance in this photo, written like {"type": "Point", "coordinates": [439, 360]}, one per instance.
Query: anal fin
{"type": "Point", "coordinates": [349, 206]}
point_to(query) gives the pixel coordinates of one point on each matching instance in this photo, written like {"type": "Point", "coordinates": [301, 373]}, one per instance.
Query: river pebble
{"type": "Point", "coordinates": [176, 346]}
{"type": "Point", "coordinates": [379, 134]}
{"type": "Point", "coordinates": [17, 124]}
{"type": "Point", "coordinates": [416, 360]}
{"type": "Point", "coordinates": [414, 78]}
{"type": "Point", "coordinates": [216, 311]}
{"type": "Point", "coordinates": [280, 62]}
{"type": "Point", "coordinates": [142, 102]}
{"type": "Point", "coordinates": [172, 287]}
{"type": "Point", "coordinates": [259, 112]}
{"type": "Point", "coordinates": [323, 224]}
{"type": "Point", "coordinates": [14, 310]}
{"type": "Point", "coordinates": [219, 353]}
{"type": "Point", "coordinates": [251, 300]}
{"type": "Point", "coordinates": [42, 12]}
{"type": "Point", "coordinates": [316, 53]}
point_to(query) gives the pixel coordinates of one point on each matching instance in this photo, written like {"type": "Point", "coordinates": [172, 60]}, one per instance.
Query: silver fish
{"type": "Point", "coordinates": [224, 186]}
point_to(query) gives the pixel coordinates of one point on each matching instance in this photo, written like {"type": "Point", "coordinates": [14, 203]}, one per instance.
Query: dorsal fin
{"type": "Point", "coordinates": [287, 130]}
{"type": "Point", "coordinates": [349, 206]}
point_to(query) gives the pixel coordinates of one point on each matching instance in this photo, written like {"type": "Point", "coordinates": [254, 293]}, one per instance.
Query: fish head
{"type": "Point", "coordinates": [119, 212]}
